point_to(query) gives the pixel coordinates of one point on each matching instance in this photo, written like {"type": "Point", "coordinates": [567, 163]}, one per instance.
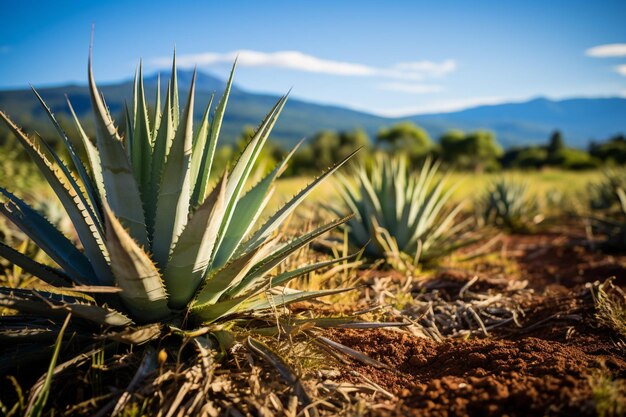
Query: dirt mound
{"type": "Point", "coordinates": [529, 376]}
{"type": "Point", "coordinates": [564, 260]}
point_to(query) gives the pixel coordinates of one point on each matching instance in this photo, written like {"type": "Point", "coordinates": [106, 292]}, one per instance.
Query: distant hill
{"type": "Point", "coordinates": [580, 120]}
{"type": "Point", "coordinates": [514, 123]}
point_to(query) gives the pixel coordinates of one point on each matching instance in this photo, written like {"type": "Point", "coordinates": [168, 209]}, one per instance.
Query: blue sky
{"type": "Point", "coordinates": [386, 57]}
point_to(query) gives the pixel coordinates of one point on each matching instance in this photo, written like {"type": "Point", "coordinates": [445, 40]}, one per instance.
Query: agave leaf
{"type": "Point", "coordinates": [231, 274]}
{"type": "Point", "coordinates": [87, 232]}
{"type": "Point", "coordinates": [279, 255]}
{"type": "Point", "coordinates": [141, 153]}
{"type": "Point", "coordinates": [268, 301]}
{"type": "Point", "coordinates": [434, 203]}
{"type": "Point", "coordinates": [69, 178]}
{"type": "Point", "coordinates": [243, 167]}
{"type": "Point", "coordinates": [279, 217]}
{"type": "Point", "coordinates": [128, 141]}
{"type": "Point", "coordinates": [142, 288]}
{"type": "Point", "coordinates": [99, 315]}
{"type": "Point", "coordinates": [53, 295]}
{"type": "Point", "coordinates": [157, 108]}
{"type": "Point", "coordinates": [78, 164]}
{"type": "Point", "coordinates": [135, 335]}
{"type": "Point", "coordinates": [48, 238]}
{"type": "Point", "coordinates": [210, 312]}
{"type": "Point", "coordinates": [206, 159]}
{"type": "Point", "coordinates": [92, 155]}
{"type": "Point", "coordinates": [175, 100]}
{"type": "Point", "coordinates": [357, 227]}
{"type": "Point", "coordinates": [28, 305]}
{"type": "Point", "coordinates": [25, 331]}
{"type": "Point", "coordinates": [162, 145]}
{"type": "Point", "coordinates": [248, 211]}
{"type": "Point", "coordinates": [192, 252]}
{"type": "Point", "coordinates": [173, 201]}
{"type": "Point", "coordinates": [135, 103]}
{"type": "Point", "coordinates": [199, 142]}
{"type": "Point", "coordinates": [54, 302]}
{"type": "Point", "coordinates": [121, 188]}
{"type": "Point", "coordinates": [47, 274]}
{"type": "Point", "coordinates": [284, 277]}
{"type": "Point", "coordinates": [252, 303]}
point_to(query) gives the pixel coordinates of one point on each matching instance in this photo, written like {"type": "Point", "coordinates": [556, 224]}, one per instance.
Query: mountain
{"type": "Point", "coordinates": [299, 118]}
{"type": "Point", "coordinates": [529, 122]}
{"type": "Point", "coordinates": [580, 120]}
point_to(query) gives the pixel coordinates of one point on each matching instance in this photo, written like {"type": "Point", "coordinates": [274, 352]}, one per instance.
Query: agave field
{"type": "Point", "coordinates": [139, 281]}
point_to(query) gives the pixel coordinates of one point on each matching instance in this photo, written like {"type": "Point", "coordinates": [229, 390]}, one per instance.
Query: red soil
{"type": "Point", "coordinates": [544, 368]}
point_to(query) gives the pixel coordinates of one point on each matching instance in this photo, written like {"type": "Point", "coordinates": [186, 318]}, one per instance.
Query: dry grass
{"type": "Point", "coordinates": [194, 378]}
{"type": "Point", "coordinates": [610, 305]}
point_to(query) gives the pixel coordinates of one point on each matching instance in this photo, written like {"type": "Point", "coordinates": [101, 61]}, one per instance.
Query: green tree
{"type": "Point", "coordinates": [324, 146]}
{"type": "Point", "coordinates": [476, 150]}
{"type": "Point", "coordinates": [556, 146]}
{"type": "Point", "coordinates": [483, 149]}
{"type": "Point", "coordinates": [556, 143]}
{"type": "Point", "coordinates": [570, 158]}
{"type": "Point", "coordinates": [406, 137]}
{"type": "Point", "coordinates": [613, 151]}
{"type": "Point", "coordinates": [350, 141]}
{"type": "Point", "coordinates": [452, 145]}
{"type": "Point", "coordinates": [527, 157]}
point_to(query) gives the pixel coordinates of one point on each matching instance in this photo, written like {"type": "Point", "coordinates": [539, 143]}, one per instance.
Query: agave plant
{"type": "Point", "coordinates": [157, 242]}
{"type": "Point", "coordinates": [612, 226]}
{"type": "Point", "coordinates": [508, 204]}
{"type": "Point", "coordinates": [603, 195]}
{"type": "Point", "coordinates": [400, 215]}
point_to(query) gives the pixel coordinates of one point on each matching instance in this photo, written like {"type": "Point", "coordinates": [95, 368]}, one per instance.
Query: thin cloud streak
{"type": "Point", "coordinates": [443, 106]}
{"type": "Point", "coordinates": [409, 88]}
{"type": "Point", "coordinates": [299, 61]}
{"type": "Point", "coordinates": [611, 50]}
{"type": "Point", "coordinates": [621, 69]}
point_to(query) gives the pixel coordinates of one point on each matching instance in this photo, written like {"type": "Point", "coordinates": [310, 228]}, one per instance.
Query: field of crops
{"type": "Point", "coordinates": [135, 281]}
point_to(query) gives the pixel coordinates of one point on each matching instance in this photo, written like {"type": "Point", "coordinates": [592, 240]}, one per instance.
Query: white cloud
{"type": "Point", "coordinates": [410, 88]}
{"type": "Point", "coordinates": [298, 61]}
{"type": "Point", "coordinates": [621, 69]}
{"type": "Point", "coordinates": [443, 106]}
{"type": "Point", "coordinates": [428, 67]}
{"type": "Point", "coordinates": [607, 51]}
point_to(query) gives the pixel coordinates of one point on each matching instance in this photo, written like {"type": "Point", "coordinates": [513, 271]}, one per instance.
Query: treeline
{"type": "Point", "coordinates": [476, 150]}
{"type": "Point", "coordinates": [473, 151]}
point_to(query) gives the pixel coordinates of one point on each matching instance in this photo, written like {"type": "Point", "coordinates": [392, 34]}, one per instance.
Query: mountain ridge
{"type": "Point", "coordinates": [515, 124]}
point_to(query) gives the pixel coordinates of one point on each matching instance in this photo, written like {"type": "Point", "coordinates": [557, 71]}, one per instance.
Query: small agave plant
{"type": "Point", "coordinates": [507, 204]}
{"type": "Point", "coordinates": [603, 195]}
{"type": "Point", "coordinates": [157, 243]}
{"type": "Point", "coordinates": [612, 225]}
{"type": "Point", "coordinates": [400, 215]}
